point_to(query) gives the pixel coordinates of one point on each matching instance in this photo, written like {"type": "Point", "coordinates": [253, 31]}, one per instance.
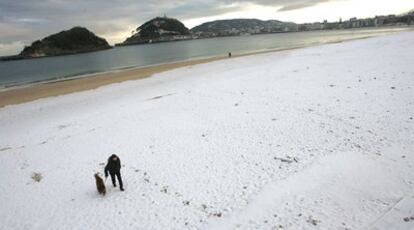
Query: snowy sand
{"type": "Point", "coordinates": [316, 138]}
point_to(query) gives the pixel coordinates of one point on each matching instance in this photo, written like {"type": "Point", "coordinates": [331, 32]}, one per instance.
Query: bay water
{"type": "Point", "coordinates": [29, 71]}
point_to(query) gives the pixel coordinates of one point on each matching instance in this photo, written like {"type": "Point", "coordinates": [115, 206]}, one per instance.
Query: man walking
{"type": "Point", "coordinates": [114, 168]}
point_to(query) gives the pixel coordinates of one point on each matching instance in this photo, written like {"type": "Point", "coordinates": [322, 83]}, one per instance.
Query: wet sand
{"type": "Point", "coordinates": [37, 91]}
{"type": "Point", "coordinates": [42, 90]}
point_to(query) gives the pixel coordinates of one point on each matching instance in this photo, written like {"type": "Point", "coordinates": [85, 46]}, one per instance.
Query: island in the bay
{"type": "Point", "coordinates": [73, 41]}
{"type": "Point", "coordinates": [159, 29]}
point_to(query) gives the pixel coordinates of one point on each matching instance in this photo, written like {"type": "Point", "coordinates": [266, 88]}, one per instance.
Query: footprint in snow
{"type": "Point", "coordinates": [313, 221]}
{"type": "Point", "coordinates": [60, 127]}
{"type": "Point", "coordinates": [5, 148]}
{"type": "Point", "coordinates": [407, 219]}
{"type": "Point", "coordinates": [186, 202]}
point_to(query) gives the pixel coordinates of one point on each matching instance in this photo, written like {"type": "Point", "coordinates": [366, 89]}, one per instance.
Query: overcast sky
{"type": "Point", "coordinates": [23, 21]}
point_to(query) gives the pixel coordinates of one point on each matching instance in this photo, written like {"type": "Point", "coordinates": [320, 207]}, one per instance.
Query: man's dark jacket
{"type": "Point", "coordinates": [113, 167]}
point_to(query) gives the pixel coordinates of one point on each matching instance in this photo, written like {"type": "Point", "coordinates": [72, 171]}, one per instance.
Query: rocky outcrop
{"type": "Point", "coordinates": [75, 40]}
{"type": "Point", "coordinates": [160, 29]}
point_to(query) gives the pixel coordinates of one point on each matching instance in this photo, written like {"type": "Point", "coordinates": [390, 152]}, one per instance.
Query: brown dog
{"type": "Point", "coordinates": [100, 185]}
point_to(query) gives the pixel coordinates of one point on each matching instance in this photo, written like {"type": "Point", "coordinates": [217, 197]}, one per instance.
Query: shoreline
{"type": "Point", "coordinates": [33, 91]}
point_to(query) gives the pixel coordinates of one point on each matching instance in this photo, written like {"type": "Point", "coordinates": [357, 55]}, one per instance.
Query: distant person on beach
{"type": "Point", "coordinates": [229, 54]}
{"type": "Point", "coordinates": [114, 168]}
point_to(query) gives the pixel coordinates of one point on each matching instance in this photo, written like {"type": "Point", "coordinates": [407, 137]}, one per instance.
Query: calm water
{"type": "Point", "coordinates": [52, 68]}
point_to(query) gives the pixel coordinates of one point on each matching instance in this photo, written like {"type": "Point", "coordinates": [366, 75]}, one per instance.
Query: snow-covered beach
{"type": "Point", "coordinates": [315, 138]}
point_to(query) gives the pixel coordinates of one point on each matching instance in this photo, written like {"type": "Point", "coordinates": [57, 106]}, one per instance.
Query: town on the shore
{"type": "Point", "coordinates": [225, 27]}
{"type": "Point", "coordinates": [389, 20]}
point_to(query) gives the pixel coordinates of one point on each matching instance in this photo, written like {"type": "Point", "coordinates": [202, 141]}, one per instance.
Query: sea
{"type": "Point", "coordinates": [19, 73]}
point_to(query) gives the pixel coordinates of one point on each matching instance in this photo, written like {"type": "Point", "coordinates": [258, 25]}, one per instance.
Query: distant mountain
{"type": "Point", "coordinates": [234, 27]}
{"type": "Point", "coordinates": [75, 40]}
{"type": "Point", "coordinates": [160, 29]}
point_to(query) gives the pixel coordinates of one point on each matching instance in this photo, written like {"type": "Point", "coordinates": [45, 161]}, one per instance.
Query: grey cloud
{"type": "Point", "coordinates": [301, 4]}
{"type": "Point", "coordinates": [285, 5]}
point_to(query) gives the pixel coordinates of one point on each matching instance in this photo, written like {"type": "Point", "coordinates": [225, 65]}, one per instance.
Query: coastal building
{"type": "Point", "coordinates": [379, 20]}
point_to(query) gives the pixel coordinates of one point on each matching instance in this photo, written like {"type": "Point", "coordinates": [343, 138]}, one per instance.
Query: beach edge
{"type": "Point", "coordinates": [28, 93]}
